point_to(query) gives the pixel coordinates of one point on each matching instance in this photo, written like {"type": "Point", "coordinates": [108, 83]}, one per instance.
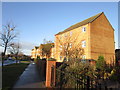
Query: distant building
{"type": "Point", "coordinates": [95, 35]}
{"type": "Point", "coordinates": [37, 52]}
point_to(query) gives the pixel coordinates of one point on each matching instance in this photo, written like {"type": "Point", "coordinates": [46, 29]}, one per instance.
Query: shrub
{"type": "Point", "coordinates": [35, 60]}
{"type": "Point", "coordinates": [100, 64]}
{"type": "Point", "coordinates": [51, 59]}
{"type": "Point", "coordinates": [38, 58]}
{"type": "Point", "coordinates": [115, 74]}
{"type": "Point", "coordinates": [71, 73]}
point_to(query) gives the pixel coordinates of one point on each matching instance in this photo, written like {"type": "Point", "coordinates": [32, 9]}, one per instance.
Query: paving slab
{"type": "Point", "coordinates": [30, 78]}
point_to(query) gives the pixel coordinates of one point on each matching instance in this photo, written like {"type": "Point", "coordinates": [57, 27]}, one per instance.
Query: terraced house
{"type": "Point", "coordinates": [34, 52]}
{"type": "Point", "coordinates": [95, 35]}
{"type": "Point", "coordinates": [39, 51]}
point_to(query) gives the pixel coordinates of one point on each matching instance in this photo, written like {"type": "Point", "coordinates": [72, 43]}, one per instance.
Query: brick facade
{"type": "Point", "coordinates": [50, 75]}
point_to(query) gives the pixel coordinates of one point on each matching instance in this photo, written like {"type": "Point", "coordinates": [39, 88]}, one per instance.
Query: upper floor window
{"type": "Point", "coordinates": [83, 29]}
{"type": "Point", "coordinates": [60, 36]}
{"type": "Point", "coordinates": [60, 47]}
{"type": "Point", "coordinates": [70, 33]}
{"type": "Point", "coordinates": [70, 45]}
{"type": "Point", "coordinates": [83, 44]}
{"type": "Point", "coordinates": [65, 46]}
{"type": "Point", "coordinates": [65, 35]}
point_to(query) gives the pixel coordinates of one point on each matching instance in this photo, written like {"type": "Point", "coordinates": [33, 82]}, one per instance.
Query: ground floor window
{"type": "Point", "coordinates": [84, 57]}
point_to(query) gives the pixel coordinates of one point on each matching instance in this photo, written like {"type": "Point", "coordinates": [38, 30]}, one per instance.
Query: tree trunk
{"type": "Point", "coordinates": [3, 56]}
{"type": "Point", "coordinates": [3, 60]}
{"type": "Point", "coordinates": [16, 58]}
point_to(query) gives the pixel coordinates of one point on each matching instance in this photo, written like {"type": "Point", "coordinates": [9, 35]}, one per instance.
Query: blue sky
{"type": "Point", "coordinates": [38, 20]}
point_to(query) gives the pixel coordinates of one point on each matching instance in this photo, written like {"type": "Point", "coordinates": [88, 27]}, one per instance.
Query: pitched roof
{"type": "Point", "coordinates": [42, 45]}
{"type": "Point", "coordinates": [86, 21]}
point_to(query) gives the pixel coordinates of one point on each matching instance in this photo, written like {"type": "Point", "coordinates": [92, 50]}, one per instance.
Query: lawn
{"type": "Point", "coordinates": [25, 61]}
{"type": "Point", "coordinates": [11, 73]}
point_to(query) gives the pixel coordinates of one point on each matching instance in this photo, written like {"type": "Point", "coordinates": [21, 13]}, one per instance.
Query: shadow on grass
{"type": "Point", "coordinates": [11, 73]}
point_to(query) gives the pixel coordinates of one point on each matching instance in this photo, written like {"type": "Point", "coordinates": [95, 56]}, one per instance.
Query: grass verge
{"type": "Point", "coordinates": [11, 73]}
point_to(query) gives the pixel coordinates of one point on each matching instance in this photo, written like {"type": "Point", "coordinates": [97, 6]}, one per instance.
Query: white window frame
{"type": "Point", "coordinates": [70, 45]}
{"type": "Point", "coordinates": [65, 46]}
{"type": "Point", "coordinates": [83, 44]}
{"type": "Point", "coordinates": [60, 36]}
{"type": "Point", "coordinates": [84, 57]}
{"type": "Point", "coordinates": [70, 33]}
{"type": "Point", "coordinates": [83, 29]}
{"type": "Point", "coordinates": [65, 35]}
{"type": "Point", "coordinates": [60, 47]}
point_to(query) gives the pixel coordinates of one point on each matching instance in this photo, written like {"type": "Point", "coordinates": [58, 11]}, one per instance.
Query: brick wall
{"type": "Point", "coordinates": [50, 76]}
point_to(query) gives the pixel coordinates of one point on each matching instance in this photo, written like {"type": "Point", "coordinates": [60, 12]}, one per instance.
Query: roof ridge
{"type": "Point", "coordinates": [97, 16]}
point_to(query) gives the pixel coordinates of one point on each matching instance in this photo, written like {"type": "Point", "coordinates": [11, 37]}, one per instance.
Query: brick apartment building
{"type": "Point", "coordinates": [95, 35]}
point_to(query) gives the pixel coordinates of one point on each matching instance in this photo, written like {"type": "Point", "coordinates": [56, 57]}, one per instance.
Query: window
{"type": "Point", "coordinates": [60, 57]}
{"type": "Point", "coordinates": [65, 46]}
{"type": "Point", "coordinates": [70, 45]}
{"type": "Point", "coordinates": [71, 33]}
{"type": "Point", "coordinates": [60, 36]}
{"type": "Point", "coordinates": [60, 47]}
{"type": "Point", "coordinates": [83, 44]}
{"type": "Point", "coordinates": [65, 35]}
{"type": "Point", "coordinates": [83, 29]}
{"type": "Point", "coordinates": [84, 57]}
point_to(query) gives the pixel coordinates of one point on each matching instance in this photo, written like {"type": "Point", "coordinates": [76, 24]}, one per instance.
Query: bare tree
{"type": "Point", "coordinates": [6, 36]}
{"type": "Point", "coordinates": [46, 48]}
{"type": "Point", "coordinates": [70, 47]}
{"type": "Point", "coordinates": [15, 50]}
{"type": "Point", "coordinates": [47, 41]}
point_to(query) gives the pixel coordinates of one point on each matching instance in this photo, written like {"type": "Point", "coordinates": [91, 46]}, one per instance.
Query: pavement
{"type": "Point", "coordinates": [30, 78]}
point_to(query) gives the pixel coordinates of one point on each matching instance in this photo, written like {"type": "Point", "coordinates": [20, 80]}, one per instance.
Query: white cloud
{"type": "Point", "coordinates": [26, 52]}
{"type": "Point", "coordinates": [27, 47]}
